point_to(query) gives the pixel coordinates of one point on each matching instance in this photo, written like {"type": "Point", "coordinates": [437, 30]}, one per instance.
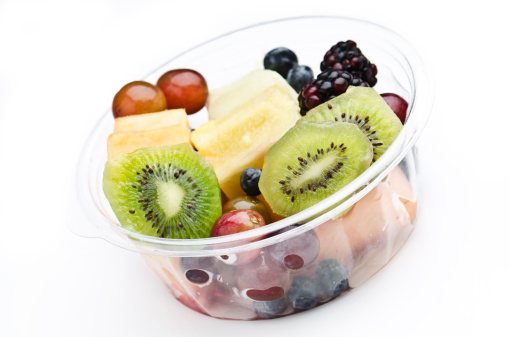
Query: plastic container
{"type": "Point", "coordinates": [339, 246]}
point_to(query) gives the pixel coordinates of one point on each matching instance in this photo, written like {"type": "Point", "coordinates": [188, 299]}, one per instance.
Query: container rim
{"type": "Point", "coordinates": [420, 107]}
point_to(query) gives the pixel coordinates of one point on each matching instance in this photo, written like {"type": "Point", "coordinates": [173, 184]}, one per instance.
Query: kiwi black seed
{"type": "Point", "coordinates": [170, 192]}
{"type": "Point", "coordinates": [312, 161]}
{"type": "Point", "coordinates": [364, 107]}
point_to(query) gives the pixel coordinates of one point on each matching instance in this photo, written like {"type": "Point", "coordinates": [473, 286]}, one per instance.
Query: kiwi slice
{"type": "Point", "coordinates": [365, 108]}
{"type": "Point", "coordinates": [170, 192]}
{"type": "Point", "coordinates": [312, 161]}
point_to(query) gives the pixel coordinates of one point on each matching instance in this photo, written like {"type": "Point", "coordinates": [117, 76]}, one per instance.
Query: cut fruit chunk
{"type": "Point", "coordinates": [240, 140]}
{"type": "Point", "coordinates": [377, 227]}
{"type": "Point", "coordinates": [163, 128]}
{"type": "Point", "coordinates": [127, 142]}
{"type": "Point", "coordinates": [170, 192]}
{"type": "Point", "coordinates": [311, 162]}
{"type": "Point", "coordinates": [225, 100]}
{"type": "Point", "coordinates": [155, 120]}
{"type": "Point", "coordinates": [365, 108]}
{"type": "Point", "coordinates": [275, 217]}
{"type": "Point", "coordinates": [401, 186]}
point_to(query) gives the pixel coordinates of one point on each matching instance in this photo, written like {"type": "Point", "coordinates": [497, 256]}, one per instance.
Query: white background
{"type": "Point", "coordinates": [61, 62]}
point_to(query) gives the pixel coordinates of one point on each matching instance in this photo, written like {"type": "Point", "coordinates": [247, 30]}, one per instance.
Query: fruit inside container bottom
{"type": "Point", "coordinates": [302, 272]}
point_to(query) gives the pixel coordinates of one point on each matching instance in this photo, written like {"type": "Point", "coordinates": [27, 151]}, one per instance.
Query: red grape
{"type": "Point", "coordinates": [263, 279]}
{"type": "Point", "coordinates": [198, 270]}
{"type": "Point", "coordinates": [136, 98]}
{"type": "Point", "coordinates": [296, 252]}
{"type": "Point", "coordinates": [397, 104]}
{"type": "Point", "coordinates": [184, 88]}
{"type": "Point", "coordinates": [235, 222]}
{"type": "Point", "coordinates": [248, 202]}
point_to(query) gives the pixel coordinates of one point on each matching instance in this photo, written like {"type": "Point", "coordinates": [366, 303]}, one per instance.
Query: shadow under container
{"type": "Point", "coordinates": [312, 257]}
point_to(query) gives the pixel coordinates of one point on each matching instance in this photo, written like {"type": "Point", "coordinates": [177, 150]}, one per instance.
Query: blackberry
{"type": "Point", "coordinates": [348, 57]}
{"type": "Point", "coordinates": [327, 85]}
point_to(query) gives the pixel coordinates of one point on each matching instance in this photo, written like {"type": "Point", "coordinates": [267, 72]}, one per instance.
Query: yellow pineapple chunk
{"type": "Point", "coordinates": [224, 100]}
{"type": "Point", "coordinates": [153, 120]}
{"type": "Point", "coordinates": [241, 139]}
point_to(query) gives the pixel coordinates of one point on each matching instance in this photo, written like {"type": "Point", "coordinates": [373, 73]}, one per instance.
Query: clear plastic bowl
{"type": "Point", "coordinates": [345, 245]}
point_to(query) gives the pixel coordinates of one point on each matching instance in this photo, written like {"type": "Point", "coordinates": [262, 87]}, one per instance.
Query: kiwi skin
{"type": "Point", "coordinates": [169, 192]}
{"type": "Point", "coordinates": [312, 161]}
{"type": "Point", "coordinates": [364, 107]}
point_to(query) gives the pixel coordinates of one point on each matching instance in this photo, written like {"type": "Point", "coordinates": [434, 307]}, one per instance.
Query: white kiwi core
{"type": "Point", "coordinates": [169, 197]}
{"type": "Point", "coordinates": [315, 170]}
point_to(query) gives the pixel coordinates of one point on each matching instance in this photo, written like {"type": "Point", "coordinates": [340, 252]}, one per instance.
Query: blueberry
{"type": "Point", "coordinates": [299, 76]}
{"type": "Point", "coordinates": [280, 59]}
{"type": "Point", "coordinates": [249, 181]}
{"type": "Point", "coordinates": [270, 309]}
{"type": "Point", "coordinates": [332, 278]}
{"type": "Point", "coordinates": [304, 293]}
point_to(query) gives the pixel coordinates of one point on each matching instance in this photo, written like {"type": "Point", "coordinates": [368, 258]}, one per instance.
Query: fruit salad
{"type": "Point", "coordinates": [278, 141]}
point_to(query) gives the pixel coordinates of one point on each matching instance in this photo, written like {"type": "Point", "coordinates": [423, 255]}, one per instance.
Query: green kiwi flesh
{"type": "Point", "coordinates": [170, 192]}
{"type": "Point", "coordinates": [312, 161]}
{"type": "Point", "coordinates": [364, 107]}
